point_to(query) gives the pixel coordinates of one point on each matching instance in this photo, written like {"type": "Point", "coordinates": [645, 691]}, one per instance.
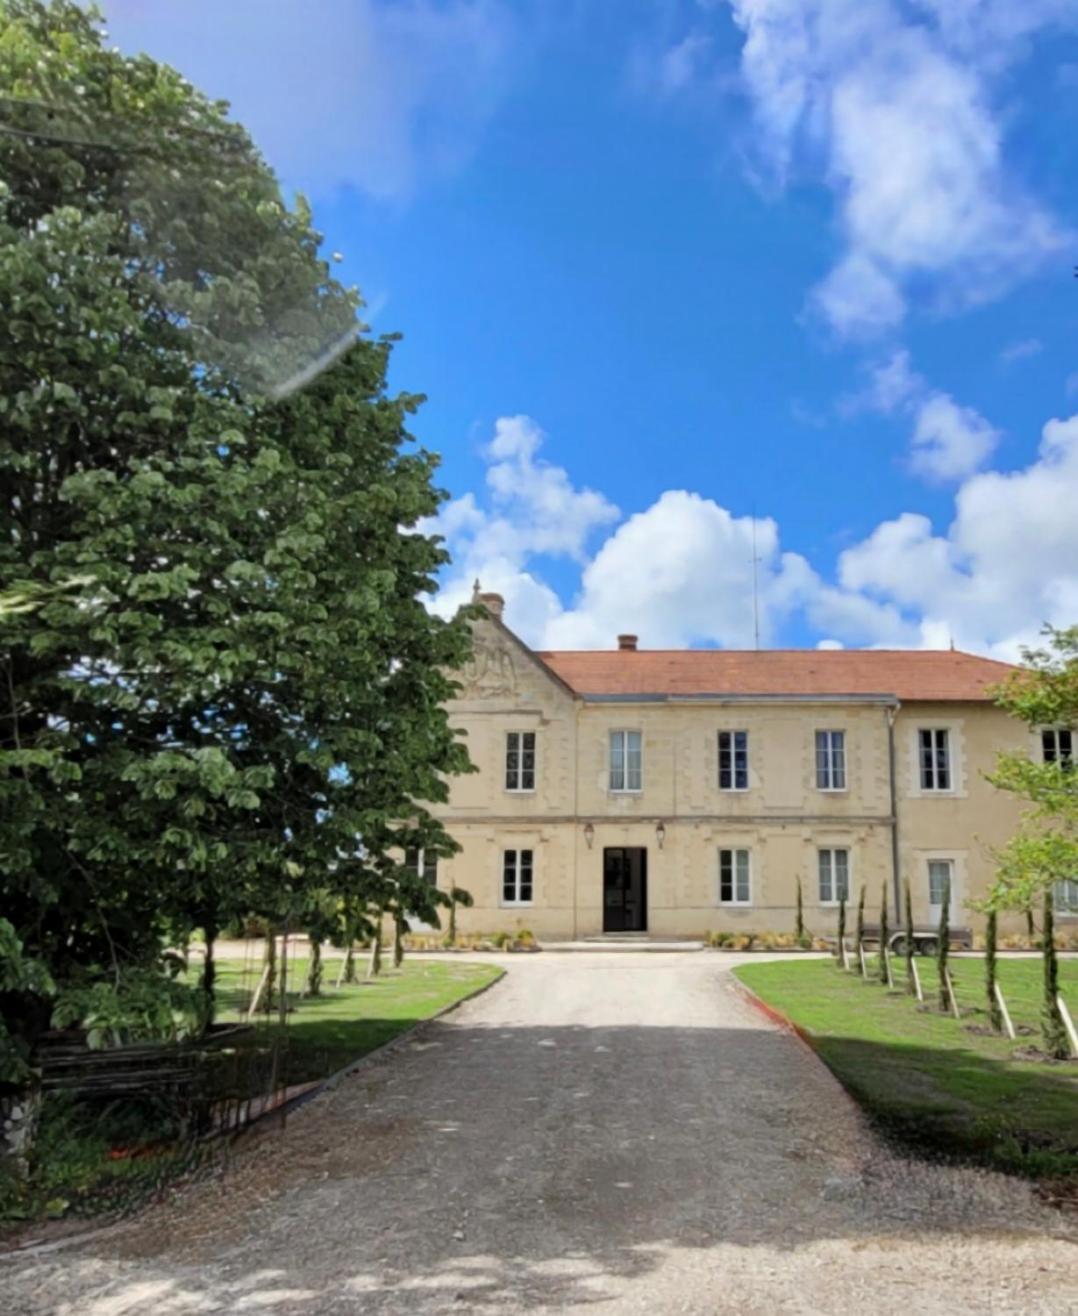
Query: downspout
{"type": "Point", "coordinates": [576, 806]}
{"type": "Point", "coordinates": [892, 713]}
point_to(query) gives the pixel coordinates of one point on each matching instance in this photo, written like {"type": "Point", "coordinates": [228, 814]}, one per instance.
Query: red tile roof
{"type": "Point", "coordinates": [911, 674]}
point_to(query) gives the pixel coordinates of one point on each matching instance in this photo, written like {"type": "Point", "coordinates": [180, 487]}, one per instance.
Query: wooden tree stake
{"type": "Point", "coordinates": [917, 981]}
{"type": "Point", "coordinates": [950, 993]}
{"type": "Point", "coordinates": [1068, 1023]}
{"type": "Point", "coordinates": [1008, 1027]}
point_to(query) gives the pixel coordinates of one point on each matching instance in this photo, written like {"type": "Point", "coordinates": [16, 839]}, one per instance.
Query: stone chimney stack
{"type": "Point", "coordinates": [494, 604]}
{"type": "Point", "coordinates": [627, 642]}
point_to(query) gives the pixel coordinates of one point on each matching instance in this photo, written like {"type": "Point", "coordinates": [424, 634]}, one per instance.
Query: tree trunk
{"type": "Point", "coordinates": [860, 929]}
{"type": "Point", "coordinates": [995, 1015]}
{"type": "Point", "coordinates": [209, 967]}
{"type": "Point", "coordinates": [911, 986]}
{"type": "Point", "coordinates": [451, 935]}
{"type": "Point", "coordinates": [1031, 931]}
{"type": "Point", "coordinates": [269, 961]}
{"type": "Point", "coordinates": [943, 946]}
{"type": "Point", "coordinates": [374, 966]}
{"type": "Point", "coordinates": [398, 941]}
{"type": "Point", "coordinates": [313, 986]}
{"type": "Point", "coordinates": [350, 961]}
{"type": "Point", "coordinates": [885, 933]}
{"type": "Point", "coordinates": [841, 931]}
{"type": "Point", "coordinates": [1052, 1026]}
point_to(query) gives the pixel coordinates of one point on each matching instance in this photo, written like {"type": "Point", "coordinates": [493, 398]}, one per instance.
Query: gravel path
{"type": "Point", "coordinates": [620, 1130]}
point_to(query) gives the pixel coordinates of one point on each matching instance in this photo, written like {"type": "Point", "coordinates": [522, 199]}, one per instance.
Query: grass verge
{"type": "Point", "coordinates": [934, 1083]}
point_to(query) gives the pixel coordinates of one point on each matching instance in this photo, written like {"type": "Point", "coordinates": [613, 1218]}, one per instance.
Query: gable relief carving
{"type": "Point", "coordinates": [490, 672]}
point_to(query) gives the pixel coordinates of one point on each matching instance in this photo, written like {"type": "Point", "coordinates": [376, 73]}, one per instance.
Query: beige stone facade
{"type": "Point", "coordinates": [570, 820]}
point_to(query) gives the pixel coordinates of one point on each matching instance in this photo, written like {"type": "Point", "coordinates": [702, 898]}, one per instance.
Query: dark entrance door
{"type": "Point", "coordinates": [625, 889]}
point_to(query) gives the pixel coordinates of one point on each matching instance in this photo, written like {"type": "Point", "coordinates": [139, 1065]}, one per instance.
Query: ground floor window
{"type": "Point", "coordinates": [1065, 896]}
{"type": "Point", "coordinates": [940, 884]}
{"type": "Point", "coordinates": [735, 877]}
{"type": "Point", "coordinates": [517, 873]}
{"type": "Point", "coordinates": [423, 863]}
{"type": "Point", "coordinates": [834, 869]}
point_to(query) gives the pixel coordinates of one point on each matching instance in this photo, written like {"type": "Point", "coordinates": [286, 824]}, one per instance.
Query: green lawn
{"type": "Point", "coordinates": [925, 1077]}
{"type": "Point", "coordinates": [324, 1033]}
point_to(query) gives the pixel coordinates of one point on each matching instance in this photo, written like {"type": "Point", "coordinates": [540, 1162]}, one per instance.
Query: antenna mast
{"type": "Point", "coordinates": [755, 587]}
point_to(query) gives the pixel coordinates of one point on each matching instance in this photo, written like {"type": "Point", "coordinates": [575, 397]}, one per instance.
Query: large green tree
{"type": "Point", "coordinates": [221, 689]}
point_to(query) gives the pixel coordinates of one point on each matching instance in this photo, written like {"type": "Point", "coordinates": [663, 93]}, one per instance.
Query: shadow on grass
{"type": "Point", "coordinates": [958, 1104]}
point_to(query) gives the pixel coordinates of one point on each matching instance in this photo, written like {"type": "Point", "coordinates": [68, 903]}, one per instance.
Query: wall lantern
{"type": "Point", "coordinates": [660, 833]}
{"type": "Point", "coordinates": [589, 835]}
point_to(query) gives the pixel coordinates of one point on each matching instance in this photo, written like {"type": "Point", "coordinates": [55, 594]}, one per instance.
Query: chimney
{"type": "Point", "coordinates": [494, 604]}
{"type": "Point", "coordinates": [627, 642]}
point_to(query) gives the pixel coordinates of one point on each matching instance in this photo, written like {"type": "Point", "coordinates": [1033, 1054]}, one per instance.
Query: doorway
{"type": "Point", "coordinates": [625, 889]}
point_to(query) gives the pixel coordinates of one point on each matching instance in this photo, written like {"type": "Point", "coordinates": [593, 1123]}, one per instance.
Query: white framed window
{"type": "Point", "coordinates": [934, 744]}
{"type": "Point", "coordinates": [1057, 746]}
{"type": "Point", "coordinates": [733, 760]}
{"type": "Point", "coordinates": [626, 761]}
{"type": "Point", "coordinates": [940, 884]}
{"type": "Point", "coordinates": [1065, 897]}
{"type": "Point", "coordinates": [518, 873]}
{"type": "Point", "coordinates": [834, 872]}
{"type": "Point", "coordinates": [422, 864]}
{"type": "Point", "coordinates": [520, 760]}
{"type": "Point", "coordinates": [831, 760]}
{"type": "Point", "coordinates": [735, 877]}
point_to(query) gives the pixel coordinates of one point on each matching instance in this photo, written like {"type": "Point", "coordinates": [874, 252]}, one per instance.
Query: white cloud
{"type": "Point", "coordinates": [949, 441]}
{"type": "Point", "coordinates": [380, 94]}
{"type": "Point", "coordinates": [680, 572]}
{"type": "Point", "coordinates": [896, 114]}
{"type": "Point", "coordinates": [1021, 350]}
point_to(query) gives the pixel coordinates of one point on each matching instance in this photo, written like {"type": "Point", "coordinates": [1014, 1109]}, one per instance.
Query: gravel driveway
{"type": "Point", "coordinates": [620, 1130]}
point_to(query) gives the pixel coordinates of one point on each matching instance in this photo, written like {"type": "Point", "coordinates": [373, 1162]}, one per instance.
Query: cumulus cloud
{"type": "Point", "coordinates": [1021, 350]}
{"type": "Point", "coordinates": [681, 571]}
{"type": "Point", "coordinates": [378, 94]}
{"type": "Point", "coordinates": [949, 441]}
{"type": "Point", "coordinates": [894, 111]}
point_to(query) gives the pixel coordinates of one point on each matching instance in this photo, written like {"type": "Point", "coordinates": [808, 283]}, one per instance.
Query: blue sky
{"type": "Point", "coordinates": [676, 276]}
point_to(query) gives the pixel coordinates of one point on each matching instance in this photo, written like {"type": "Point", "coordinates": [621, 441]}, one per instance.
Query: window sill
{"type": "Point", "coordinates": [516, 904]}
{"type": "Point", "coordinates": [614, 791]}
{"type": "Point", "coordinates": [734, 790]}
{"type": "Point", "coordinates": [735, 904]}
{"type": "Point", "coordinates": [520, 790]}
{"type": "Point", "coordinates": [833, 790]}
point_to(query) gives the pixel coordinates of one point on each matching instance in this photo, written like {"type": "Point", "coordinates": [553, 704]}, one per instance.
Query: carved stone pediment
{"type": "Point", "coordinates": [491, 670]}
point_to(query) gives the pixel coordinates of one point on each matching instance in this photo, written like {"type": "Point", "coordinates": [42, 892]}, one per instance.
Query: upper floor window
{"type": "Point", "coordinates": [935, 743]}
{"type": "Point", "coordinates": [517, 877]}
{"type": "Point", "coordinates": [423, 864]}
{"type": "Point", "coordinates": [1057, 746]}
{"type": "Point", "coordinates": [626, 761]}
{"type": "Point", "coordinates": [520, 761]}
{"type": "Point", "coordinates": [735, 877]}
{"type": "Point", "coordinates": [834, 866]}
{"type": "Point", "coordinates": [733, 760]}
{"type": "Point", "coordinates": [831, 760]}
{"type": "Point", "coordinates": [1065, 896]}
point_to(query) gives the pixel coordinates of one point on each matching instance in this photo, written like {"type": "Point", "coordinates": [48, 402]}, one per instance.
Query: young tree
{"type": "Point", "coordinates": [911, 985]}
{"type": "Point", "coordinates": [841, 929]}
{"type": "Point", "coordinates": [943, 946]}
{"type": "Point", "coordinates": [995, 1015]}
{"type": "Point", "coordinates": [885, 933]}
{"type": "Point", "coordinates": [800, 920]}
{"type": "Point", "coordinates": [1044, 851]}
{"type": "Point", "coordinates": [860, 929]}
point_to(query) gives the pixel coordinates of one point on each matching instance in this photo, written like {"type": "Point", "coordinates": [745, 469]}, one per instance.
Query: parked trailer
{"type": "Point", "coordinates": [925, 940]}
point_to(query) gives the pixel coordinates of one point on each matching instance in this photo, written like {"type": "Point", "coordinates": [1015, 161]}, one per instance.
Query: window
{"type": "Point", "coordinates": [935, 759]}
{"type": "Point", "coordinates": [1057, 746]}
{"type": "Point", "coordinates": [422, 864]}
{"type": "Point", "coordinates": [831, 760]}
{"type": "Point", "coordinates": [939, 882]}
{"type": "Point", "coordinates": [735, 887]}
{"type": "Point", "coordinates": [834, 876]}
{"type": "Point", "coordinates": [625, 761]}
{"type": "Point", "coordinates": [733, 760]}
{"type": "Point", "coordinates": [1065, 896]}
{"type": "Point", "coordinates": [517, 877]}
{"type": "Point", "coordinates": [520, 761]}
